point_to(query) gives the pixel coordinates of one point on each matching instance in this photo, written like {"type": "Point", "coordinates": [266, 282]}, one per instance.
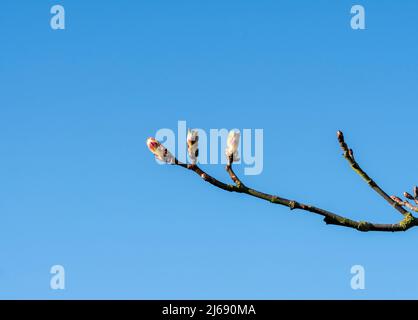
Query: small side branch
{"type": "Point", "coordinates": [232, 174]}
{"type": "Point", "coordinates": [349, 156]}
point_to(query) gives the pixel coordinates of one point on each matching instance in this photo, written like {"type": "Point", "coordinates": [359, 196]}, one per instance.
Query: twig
{"type": "Point", "coordinates": [406, 223]}
{"type": "Point", "coordinates": [232, 174]}
{"type": "Point", "coordinates": [349, 156]}
{"type": "Point", "coordinates": [405, 203]}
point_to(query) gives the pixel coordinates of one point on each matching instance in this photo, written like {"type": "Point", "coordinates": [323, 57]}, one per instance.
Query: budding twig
{"type": "Point", "coordinates": [406, 223]}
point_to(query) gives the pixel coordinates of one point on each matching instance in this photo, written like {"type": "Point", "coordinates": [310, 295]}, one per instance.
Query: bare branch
{"type": "Point", "coordinates": [349, 156]}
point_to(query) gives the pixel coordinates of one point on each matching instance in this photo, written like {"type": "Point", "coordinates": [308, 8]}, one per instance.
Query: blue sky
{"type": "Point", "coordinates": [79, 187]}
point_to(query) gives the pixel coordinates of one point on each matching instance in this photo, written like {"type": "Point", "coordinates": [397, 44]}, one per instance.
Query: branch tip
{"type": "Point", "coordinates": [408, 196]}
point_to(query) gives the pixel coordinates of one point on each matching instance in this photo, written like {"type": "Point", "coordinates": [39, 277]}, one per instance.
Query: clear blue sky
{"type": "Point", "coordinates": [79, 187]}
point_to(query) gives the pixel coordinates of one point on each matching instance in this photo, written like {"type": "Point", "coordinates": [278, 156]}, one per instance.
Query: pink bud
{"type": "Point", "coordinates": [159, 151]}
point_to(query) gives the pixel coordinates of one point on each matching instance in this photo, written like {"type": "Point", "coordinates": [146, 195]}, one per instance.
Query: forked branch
{"type": "Point", "coordinates": [408, 221]}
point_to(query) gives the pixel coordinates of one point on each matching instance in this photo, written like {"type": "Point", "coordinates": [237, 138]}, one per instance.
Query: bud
{"type": "Point", "coordinates": [232, 143]}
{"type": "Point", "coordinates": [408, 196]}
{"type": "Point", "coordinates": [416, 192]}
{"type": "Point", "coordinates": [397, 200]}
{"type": "Point", "coordinates": [192, 145]}
{"type": "Point", "coordinates": [160, 151]}
{"type": "Point", "coordinates": [340, 136]}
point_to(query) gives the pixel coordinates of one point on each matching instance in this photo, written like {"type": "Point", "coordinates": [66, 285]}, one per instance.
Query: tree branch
{"type": "Point", "coordinates": [349, 156]}
{"type": "Point", "coordinates": [331, 218]}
